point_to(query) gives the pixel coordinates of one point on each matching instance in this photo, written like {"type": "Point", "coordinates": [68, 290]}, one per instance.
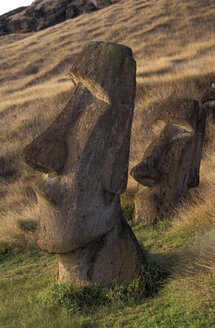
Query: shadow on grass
{"type": "Point", "coordinates": [90, 298]}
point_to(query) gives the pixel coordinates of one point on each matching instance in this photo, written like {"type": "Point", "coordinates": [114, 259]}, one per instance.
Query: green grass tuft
{"type": "Point", "coordinates": [128, 211]}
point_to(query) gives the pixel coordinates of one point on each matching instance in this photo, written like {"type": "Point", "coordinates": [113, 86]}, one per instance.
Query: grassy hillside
{"type": "Point", "coordinates": [174, 46]}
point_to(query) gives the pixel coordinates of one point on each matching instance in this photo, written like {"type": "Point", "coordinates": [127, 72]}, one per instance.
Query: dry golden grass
{"type": "Point", "coordinates": [193, 278]}
{"type": "Point", "coordinates": [174, 46]}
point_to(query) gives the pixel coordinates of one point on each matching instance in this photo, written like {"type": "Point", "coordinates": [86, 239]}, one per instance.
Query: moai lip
{"type": "Point", "coordinates": [170, 164]}
{"type": "Point", "coordinates": [84, 153]}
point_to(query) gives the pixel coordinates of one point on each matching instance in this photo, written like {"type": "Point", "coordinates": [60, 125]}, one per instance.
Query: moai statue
{"type": "Point", "coordinates": [170, 164]}
{"type": "Point", "coordinates": [84, 154]}
{"type": "Point", "coordinates": [208, 103]}
{"type": "Point", "coordinates": [208, 100]}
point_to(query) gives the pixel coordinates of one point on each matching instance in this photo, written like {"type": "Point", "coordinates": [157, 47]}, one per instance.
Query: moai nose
{"type": "Point", "coordinates": [145, 173]}
{"type": "Point", "coordinates": [151, 169]}
{"type": "Point", "coordinates": [46, 153]}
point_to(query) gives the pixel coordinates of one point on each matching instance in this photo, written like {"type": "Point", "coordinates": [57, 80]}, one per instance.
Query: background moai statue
{"type": "Point", "coordinates": [208, 103]}
{"type": "Point", "coordinates": [208, 100]}
{"type": "Point", "coordinates": [170, 164]}
{"type": "Point", "coordinates": [85, 154]}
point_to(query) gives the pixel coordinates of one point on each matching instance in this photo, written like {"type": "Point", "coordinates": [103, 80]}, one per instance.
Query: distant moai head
{"type": "Point", "coordinates": [208, 103]}
{"type": "Point", "coordinates": [170, 164]}
{"type": "Point", "coordinates": [84, 154]}
{"type": "Point", "coordinates": [208, 100]}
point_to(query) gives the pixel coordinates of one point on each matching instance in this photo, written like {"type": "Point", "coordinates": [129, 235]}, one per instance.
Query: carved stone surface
{"type": "Point", "coordinates": [208, 103]}
{"type": "Point", "coordinates": [170, 164]}
{"type": "Point", "coordinates": [85, 154]}
{"type": "Point", "coordinates": [114, 258]}
{"type": "Point", "coordinates": [208, 100]}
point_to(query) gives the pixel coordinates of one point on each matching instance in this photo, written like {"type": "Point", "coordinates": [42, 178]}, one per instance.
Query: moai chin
{"type": "Point", "coordinates": [84, 154]}
{"type": "Point", "coordinates": [170, 164]}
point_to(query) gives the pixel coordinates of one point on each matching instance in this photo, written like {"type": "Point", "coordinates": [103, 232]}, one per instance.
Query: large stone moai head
{"type": "Point", "coordinates": [83, 155]}
{"type": "Point", "coordinates": [170, 164]}
{"type": "Point", "coordinates": [208, 100]}
{"type": "Point", "coordinates": [208, 103]}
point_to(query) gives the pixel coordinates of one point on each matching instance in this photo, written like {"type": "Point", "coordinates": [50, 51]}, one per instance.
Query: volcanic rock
{"type": "Point", "coordinates": [44, 13]}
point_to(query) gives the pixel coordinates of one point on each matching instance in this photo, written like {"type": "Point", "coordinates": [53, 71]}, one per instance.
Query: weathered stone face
{"type": "Point", "coordinates": [170, 165]}
{"type": "Point", "coordinates": [208, 96]}
{"type": "Point", "coordinates": [208, 103]}
{"type": "Point", "coordinates": [85, 155]}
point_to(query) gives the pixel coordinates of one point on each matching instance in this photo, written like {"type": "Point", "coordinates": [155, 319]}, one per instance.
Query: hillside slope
{"type": "Point", "coordinates": [172, 44]}
{"type": "Point", "coordinates": [44, 13]}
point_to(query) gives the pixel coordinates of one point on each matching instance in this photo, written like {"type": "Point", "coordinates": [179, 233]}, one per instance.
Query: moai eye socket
{"type": "Point", "coordinates": [181, 126]}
